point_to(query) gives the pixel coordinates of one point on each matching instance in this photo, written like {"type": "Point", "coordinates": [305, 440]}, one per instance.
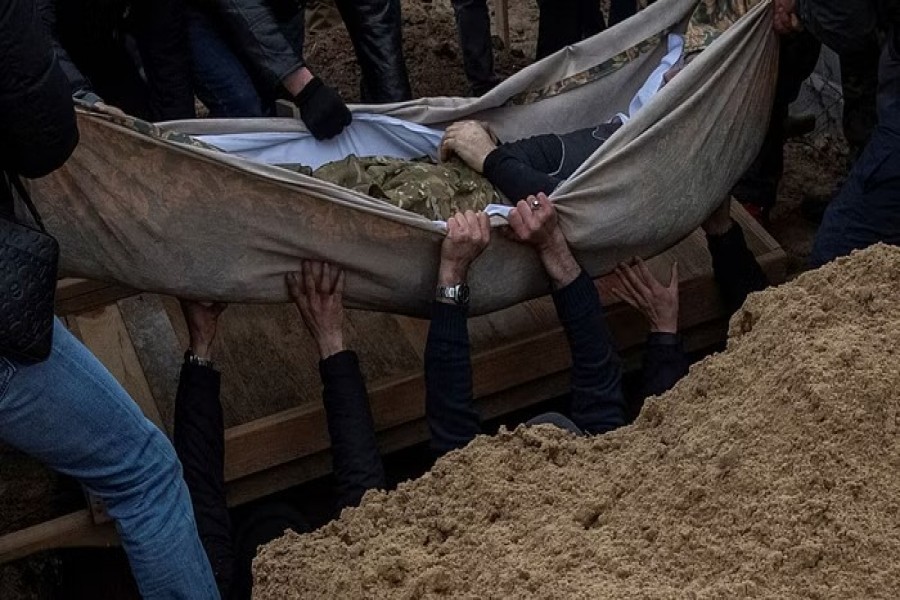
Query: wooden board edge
{"type": "Point", "coordinates": [75, 529]}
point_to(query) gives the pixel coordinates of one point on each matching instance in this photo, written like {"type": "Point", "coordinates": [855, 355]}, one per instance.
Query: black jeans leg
{"type": "Point", "coordinates": [473, 22]}
{"type": "Point", "coordinates": [619, 10]}
{"type": "Point", "coordinates": [375, 29]}
{"type": "Point", "coordinates": [566, 22]}
{"type": "Point", "coordinates": [759, 185]}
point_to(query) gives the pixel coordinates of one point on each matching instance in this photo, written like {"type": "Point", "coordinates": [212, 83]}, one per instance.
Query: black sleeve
{"type": "Point", "coordinates": [734, 267]}
{"type": "Point", "coordinates": [255, 28]}
{"type": "Point", "coordinates": [357, 464]}
{"type": "Point", "coordinates": [541, 163]}
{"type": "Point", "coordinates": [161, 35]}
{"type": "Point", "coordinates": [515, 179]}
{"type": "Point", "coordinates": [449, 403]}
{"type": "Point", "coordinates": [37, 120]}
{"type": "Point", "coordinates": [664, 364]}
{"type": "Point", "coordinates": [598, 401]}
{"type": "Point", "coordinates": [200, 444]}
{"type": "Point", "coordinates": [77, 81]}
{"type": "Point", "coordinates": [842, 25]}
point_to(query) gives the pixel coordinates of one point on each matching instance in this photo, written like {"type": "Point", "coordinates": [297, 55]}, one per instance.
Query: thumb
{"type": "Point", "coordinates": [673, 277]}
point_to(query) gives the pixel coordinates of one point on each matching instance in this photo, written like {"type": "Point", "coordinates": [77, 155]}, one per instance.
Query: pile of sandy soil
{"type": "Point", "coordinates": [771, 470]}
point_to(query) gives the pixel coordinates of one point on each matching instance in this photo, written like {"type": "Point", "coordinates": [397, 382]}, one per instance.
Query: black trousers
{"type": "Point", "coordinates": [375, 30]}
{"type": "Point", "coordinates": [566, 22]}
{"type": "Point", "coordinates": [799, 55]}
{"type": "Point", "coordinates": [473, 22]}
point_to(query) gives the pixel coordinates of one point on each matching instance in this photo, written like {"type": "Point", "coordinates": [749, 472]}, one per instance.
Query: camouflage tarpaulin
{"type": "Point", "coordinates": [155, 212]}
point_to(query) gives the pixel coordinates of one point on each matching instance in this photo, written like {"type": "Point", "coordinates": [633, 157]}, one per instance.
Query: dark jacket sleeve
{"type": "Point", "coordinates": [842, 25]}
{"type": "Point", "coordinates": [77, 81]}
{"type": "Point", "coordinates": [161, 35]}
{"type": "Point", "coordinates": [256, 31]}
{"type": "Point", "coordinates": [515, 178]}
{"type": "Point", "coordinates": [598, 401]}
{"type": "Point", "coordinates": [449, 403]}
{"type": "Point", "coordinates": [665, 363]}
{"type": "Point", "coordinates": [199, 439]}
{"type": "Point", "coordinates": [37, 120]}
{"type": "Point", "coordinates": [735, 269]}
{"type": "Point", "coordinates": [357, 463]}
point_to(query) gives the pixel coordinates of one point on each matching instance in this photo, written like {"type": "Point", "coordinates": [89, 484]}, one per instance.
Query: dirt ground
{"type": "Point", "coordinates": [769, 471]}
{"type": "Point", "coordinates": [814, 164]}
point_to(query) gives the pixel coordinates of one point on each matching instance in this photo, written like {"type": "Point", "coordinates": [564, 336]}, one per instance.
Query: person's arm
{"type": "Point", "coordinates": [37, 121]}
{"type": "Point", "coordinates": [598, 402]}
{"type": "Point", "coordinates": [449, 400]}
{"type": "Point", "coordinates": [80, 84]}
{"type": "Point", "coordinates": [514, 178]}
{"type": "Point", "coordinates": [254, 28]}
{"type": "Point", "coordinates": [199, 439]}
{"type": "Point", "coordinates": [518, 170]}
{"type": "Point", "coordinates": [735, 268]}
{"type": "Point", "coordinates": [664, 359]}
{"type": "Point", "coordinates": [161, 35]}
{"type": "Point", "coordinates": [843, 25]}
{"type": "Point", "coordinates": [257, 33]}
{"type": "Point", "coordinates": [317, 290]}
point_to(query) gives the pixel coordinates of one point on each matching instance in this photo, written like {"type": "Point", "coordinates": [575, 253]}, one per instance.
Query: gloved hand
{"type": "Point", "coordinates": [322, 110]}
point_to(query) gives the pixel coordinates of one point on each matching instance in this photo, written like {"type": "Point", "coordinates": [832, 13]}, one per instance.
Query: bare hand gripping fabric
{"type": "Point", "coordinates": [161, 212]}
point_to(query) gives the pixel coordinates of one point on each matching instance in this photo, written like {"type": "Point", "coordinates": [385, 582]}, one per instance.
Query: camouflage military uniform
{"type": "Point", "coordinates": [711, 19]}
{"type": "Point", "coordinates": [435, 191]}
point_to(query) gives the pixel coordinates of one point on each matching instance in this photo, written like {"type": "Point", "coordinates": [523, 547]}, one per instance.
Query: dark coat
{"type": "Point", "coordinates": [37, 121]}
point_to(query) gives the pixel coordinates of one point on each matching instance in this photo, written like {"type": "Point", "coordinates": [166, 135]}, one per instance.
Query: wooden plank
{"type": "Point", "coordinates": [501, 11]}
{"type": "Point", "coordinates": [104, 332]}
{"type": "Point", "coordinates": [80, 295]}
{"type": "Point", "coordinates": [158, 349]}
{"type": "Point", "coordinates": [76, 529]}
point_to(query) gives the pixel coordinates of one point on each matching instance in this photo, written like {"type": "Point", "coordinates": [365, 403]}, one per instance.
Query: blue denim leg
{"type": "Point", "coordinates": [221, 81]}
{"type": "Point", "coordinates": [867, 209]}
{"type": "Point", "coordinates": [70, 413]}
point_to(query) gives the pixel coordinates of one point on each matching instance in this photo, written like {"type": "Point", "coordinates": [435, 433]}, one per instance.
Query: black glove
{"type": "Point", "coordinates": [322, 110]}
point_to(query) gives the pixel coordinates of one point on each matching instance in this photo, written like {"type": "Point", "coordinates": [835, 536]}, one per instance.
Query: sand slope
{"type": "Point", "coordinates": [773, 469]}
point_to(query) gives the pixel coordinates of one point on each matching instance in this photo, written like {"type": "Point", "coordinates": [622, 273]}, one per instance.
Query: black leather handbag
{"type": "Point", "coordinates": [29, 258]}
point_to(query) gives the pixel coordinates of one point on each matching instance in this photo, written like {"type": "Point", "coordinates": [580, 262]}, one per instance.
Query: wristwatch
{"type": "Point", "coordinates": [459, 293]}
{"type": "Point", "coordinates": [192, 359]}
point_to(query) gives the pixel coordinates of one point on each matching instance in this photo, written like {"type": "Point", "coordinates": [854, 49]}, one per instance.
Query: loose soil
{"type": "Point", "coordinates": [769, 471]}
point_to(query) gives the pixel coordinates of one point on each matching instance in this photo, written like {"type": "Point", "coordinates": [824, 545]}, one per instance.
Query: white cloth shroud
{"type": "Point", "coordinates": [380, 135]}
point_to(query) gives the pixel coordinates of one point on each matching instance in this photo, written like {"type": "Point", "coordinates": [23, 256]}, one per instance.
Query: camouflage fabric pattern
{"type": "Point", "coordinates": [711, 19]}
{"type": "Point", "coordinates": [147, 128]}
{"type": "Point", "coordinates": [589, 75]}
{"type": "Point", "coordinates": [435, 191]}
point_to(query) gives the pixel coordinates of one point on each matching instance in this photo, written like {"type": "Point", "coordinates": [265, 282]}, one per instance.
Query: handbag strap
{"type": "Point", "coordinates": [16, 182]}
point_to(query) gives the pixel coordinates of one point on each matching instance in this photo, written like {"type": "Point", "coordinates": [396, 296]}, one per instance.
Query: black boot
{"type": "Point", "coordinates": [375, 29]}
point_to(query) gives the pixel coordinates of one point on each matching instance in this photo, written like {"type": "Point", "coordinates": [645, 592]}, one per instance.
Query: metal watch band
{"type": "Point", "coordinates": [459, 293]}
{"type": "Point", "coordinates": [192, 359]}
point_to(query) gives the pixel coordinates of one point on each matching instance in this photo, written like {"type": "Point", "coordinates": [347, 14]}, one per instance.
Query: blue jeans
{"type": "Point", "coordinates": [222, 82]}
{"type": "Point", "coordinates": [71, 414]}
{"type": "Point", "coordinates": [867, 209]}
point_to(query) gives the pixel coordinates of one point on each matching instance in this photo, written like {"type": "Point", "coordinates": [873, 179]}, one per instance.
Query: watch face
{"type": "Point", "coordinates": [462, 294]}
